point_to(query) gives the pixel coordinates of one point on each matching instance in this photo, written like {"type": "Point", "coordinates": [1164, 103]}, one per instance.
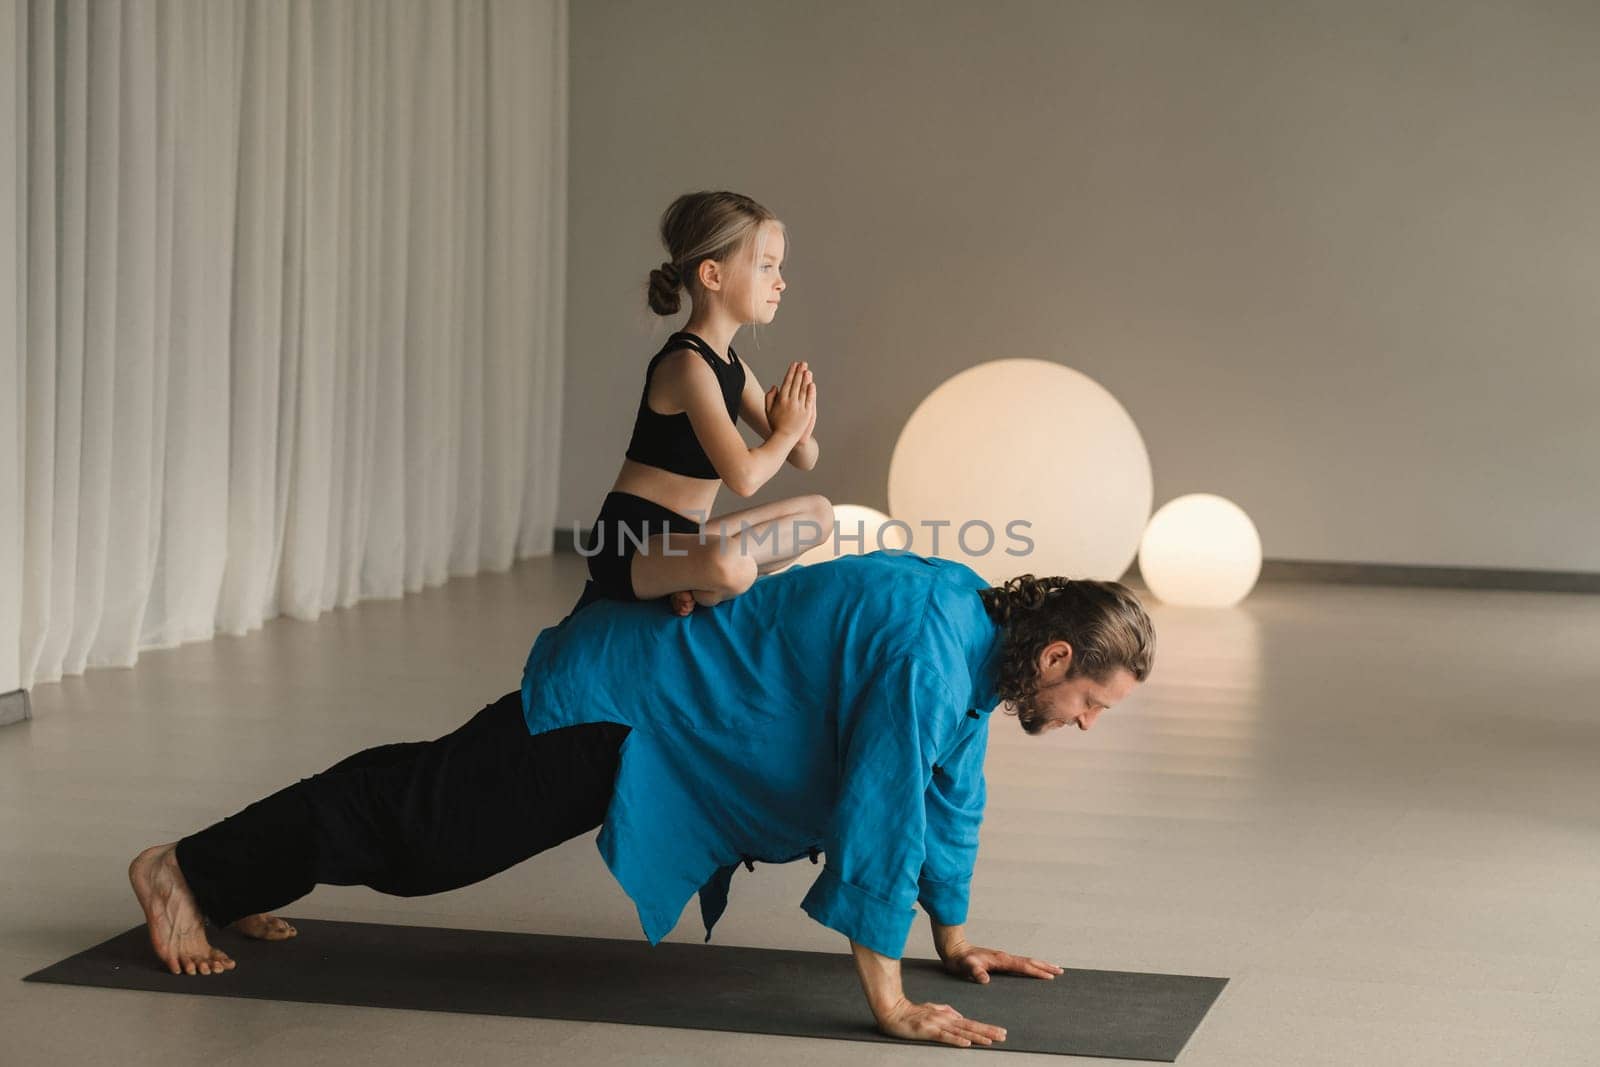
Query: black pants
{"type": "Point", "coordinates": [410, 819]}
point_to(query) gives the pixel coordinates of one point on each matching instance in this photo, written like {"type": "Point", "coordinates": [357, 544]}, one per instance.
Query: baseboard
{"type": "Point", "coordinates": [14, 707]}
{"type": "Point", "coordinates": [1426, 577]}
{"type": "Point", "coordinates": [1409, 576]}
{"type": "Point", "coordinates": [1399, 575]}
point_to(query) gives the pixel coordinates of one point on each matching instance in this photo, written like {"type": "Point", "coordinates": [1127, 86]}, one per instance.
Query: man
{"type": "Point", "coordinates": [839, 710]}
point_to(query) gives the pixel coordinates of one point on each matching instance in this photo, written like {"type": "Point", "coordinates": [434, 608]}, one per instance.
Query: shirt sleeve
{"type": "Point", "coordinates": [953, 812]}
{"type": "Point", "coordinates": [875, 841]}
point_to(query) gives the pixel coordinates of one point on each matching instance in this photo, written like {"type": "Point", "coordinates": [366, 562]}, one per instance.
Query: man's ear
{"type": "Point", "coordinates": [710, 275]}
{"type": "Point", "coordinates": [1056, 655]}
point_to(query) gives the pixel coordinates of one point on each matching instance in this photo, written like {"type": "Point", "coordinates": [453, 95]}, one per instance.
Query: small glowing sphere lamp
{"type": "Point", "coordinates": [860, 529]}
{"type": "Point", "coordinates": [1200, 550]}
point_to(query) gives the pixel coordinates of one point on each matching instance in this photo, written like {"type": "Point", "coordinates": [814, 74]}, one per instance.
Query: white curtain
{"type": "Point", "coordinates": [13, 98]}
{"type": "Point", "coordinates": [288, 311]}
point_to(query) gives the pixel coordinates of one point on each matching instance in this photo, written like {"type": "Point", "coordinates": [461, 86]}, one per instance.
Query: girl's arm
{"type": "Point", "coordinates": [753, 409]}
{"type": "Point", "coordinates": [684, 383]}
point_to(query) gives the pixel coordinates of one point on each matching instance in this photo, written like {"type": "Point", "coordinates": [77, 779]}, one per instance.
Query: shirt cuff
{"type": "Point", "coordinates": [863, 918]}
{"type": "Point", "coordinates": [945, 902]}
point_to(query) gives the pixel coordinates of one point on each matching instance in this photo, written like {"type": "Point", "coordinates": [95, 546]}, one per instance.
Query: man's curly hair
{"type": "Point", "coordinates": [1103, 622]}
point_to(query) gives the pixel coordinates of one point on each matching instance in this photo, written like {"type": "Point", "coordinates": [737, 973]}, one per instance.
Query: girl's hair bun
{"type": "Point", "coordinates": [665, 281]}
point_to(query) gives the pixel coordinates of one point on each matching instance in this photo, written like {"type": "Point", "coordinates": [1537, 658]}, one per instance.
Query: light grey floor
{"type": "Point", "coordinates": [1377, 811]}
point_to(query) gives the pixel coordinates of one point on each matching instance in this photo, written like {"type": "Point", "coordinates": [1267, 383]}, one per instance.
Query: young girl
{"type": "Point", "coordinates": [726, 251]}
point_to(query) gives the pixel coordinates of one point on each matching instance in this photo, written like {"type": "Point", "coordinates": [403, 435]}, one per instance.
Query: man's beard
{"type": "Point", "coordinates": [1029, 717]}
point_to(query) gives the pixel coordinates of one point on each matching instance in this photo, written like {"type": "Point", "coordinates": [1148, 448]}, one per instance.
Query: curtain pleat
{"type": "Point", "coordinates": [15, 32]}
{"type": "Point", "coordinates": [287, 298]}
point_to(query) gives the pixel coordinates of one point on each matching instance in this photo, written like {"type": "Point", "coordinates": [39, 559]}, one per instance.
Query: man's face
{"type": "Point", "coordinates": [1064, 701]}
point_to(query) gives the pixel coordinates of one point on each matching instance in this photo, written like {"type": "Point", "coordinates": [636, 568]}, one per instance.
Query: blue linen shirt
{"type": "Point", "coordinates": [842, 707]}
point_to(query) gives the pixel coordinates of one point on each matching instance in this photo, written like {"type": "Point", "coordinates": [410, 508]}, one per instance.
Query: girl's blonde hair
{"type": "Point", "coordinates": [695, 228]}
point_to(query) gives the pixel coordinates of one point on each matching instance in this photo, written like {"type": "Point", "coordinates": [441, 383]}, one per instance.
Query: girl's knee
{"type": "Point", "coordinates": [814, 525]}
{"type": "Point", "coordinates": [820, 509]}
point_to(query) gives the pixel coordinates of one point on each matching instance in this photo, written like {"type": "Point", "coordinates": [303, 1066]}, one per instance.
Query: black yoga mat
{"type": "Point", "coordinates": [705, 987]}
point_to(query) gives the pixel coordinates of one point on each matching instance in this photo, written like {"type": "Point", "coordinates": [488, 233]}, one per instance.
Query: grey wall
{"type": "Point", "coordinates": [1339, 261]}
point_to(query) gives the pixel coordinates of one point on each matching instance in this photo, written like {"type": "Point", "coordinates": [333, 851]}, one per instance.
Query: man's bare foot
{"type": "Point", "coordinates": [682, 602]}
{"type": "Point", "coordinates": [177, 932]}
{"type": "Point", "coordinates": [263, 927]}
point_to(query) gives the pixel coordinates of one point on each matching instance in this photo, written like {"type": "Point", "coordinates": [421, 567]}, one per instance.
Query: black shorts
{"type": "Point", "coordinates": [624, 522]}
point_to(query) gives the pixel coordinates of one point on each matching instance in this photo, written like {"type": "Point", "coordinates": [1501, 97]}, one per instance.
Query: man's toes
{"type": "Point", "coordinates": [263, 927]}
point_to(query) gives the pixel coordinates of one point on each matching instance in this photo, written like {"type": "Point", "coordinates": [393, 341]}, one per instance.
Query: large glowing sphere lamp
{"type": "Point", "coordinates": [1023, 466]}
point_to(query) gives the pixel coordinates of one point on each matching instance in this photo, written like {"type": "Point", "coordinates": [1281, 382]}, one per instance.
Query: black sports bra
{"type": "Point", "coordinates": [668, 441]}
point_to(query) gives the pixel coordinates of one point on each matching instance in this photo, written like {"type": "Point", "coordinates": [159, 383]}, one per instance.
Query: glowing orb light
{"type": "Point", "coordinates": [1200, 550]}
{"type": "Point", "coordinates": [1022, 465]}
{"type": "Point", "coordinates": [860, 530]}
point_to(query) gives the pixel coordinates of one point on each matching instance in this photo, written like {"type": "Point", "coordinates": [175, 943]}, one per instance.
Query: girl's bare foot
{"type": "Point", "coordinates": [682, 602]}
{"type": "Point", "coordinates": [177, 932]}
{"type": "Point", "coordinates": [263, 927]}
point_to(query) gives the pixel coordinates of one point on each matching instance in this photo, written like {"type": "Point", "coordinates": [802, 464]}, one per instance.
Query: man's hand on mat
{"type": "Point", "coordinates": [976, 963]}
{"type": "Point", "coordinates": [936, 1022]}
